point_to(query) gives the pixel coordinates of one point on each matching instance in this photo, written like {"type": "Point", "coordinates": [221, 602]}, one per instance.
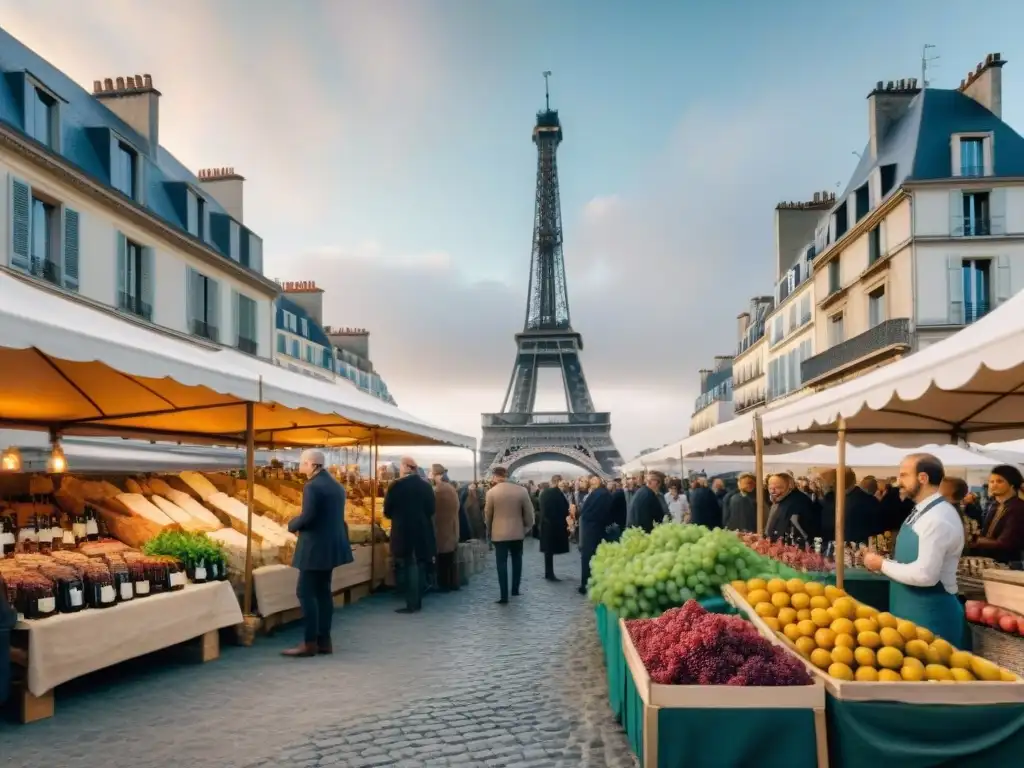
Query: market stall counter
{"type": "Point", "coordinates": [67, 646]}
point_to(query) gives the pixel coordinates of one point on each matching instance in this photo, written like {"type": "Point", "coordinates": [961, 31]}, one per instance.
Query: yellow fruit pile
{"type": "Point", "coordinates": [853, 641]}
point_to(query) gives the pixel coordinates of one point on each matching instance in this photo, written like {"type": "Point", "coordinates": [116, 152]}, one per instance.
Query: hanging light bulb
{"type": "Point", "coordinates": [10, 461]}
{"type": "Point", "coordinates": [58, 462]}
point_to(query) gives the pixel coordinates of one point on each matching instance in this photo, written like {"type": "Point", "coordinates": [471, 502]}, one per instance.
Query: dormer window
{"type": "Point", "coordinates": [43, 123]}
{"type": "Point", "coordinates": [124, 169]}
{"type": "Point", "coordinates": [197, 216]}
{"type": "Point", "coordinates": [972, 155]}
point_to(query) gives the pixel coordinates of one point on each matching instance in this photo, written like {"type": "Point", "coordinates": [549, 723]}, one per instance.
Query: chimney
{"type": "Point", "coordinates": [704, 373]}
{"type": "Point", "coordinates": [134, 100]}
{"type": "Point", "coordinates": [722, 361]}
{"type": "Point", "coordinates": [307, 295]}
{"type": "Point", "coordinates": [742, 323]}
{"type": "Point", "coordinates": [225, 186]}
{"type": "Point", "coordinates": [985, 84]}
{"type": "Point", "coordinates": [887, 103]}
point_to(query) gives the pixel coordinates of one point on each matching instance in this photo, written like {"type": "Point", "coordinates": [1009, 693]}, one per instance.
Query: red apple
{"type": "Point", "coordinates": [990, 615]}
{"type": "Point", "coordinates": [1008, 623]}
{"type": "Point", "coordinates": [973, 610]}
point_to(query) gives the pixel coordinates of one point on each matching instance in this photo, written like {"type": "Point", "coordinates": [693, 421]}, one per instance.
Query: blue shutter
{"type": "Point", "coordinates": [206, 223]}
{"type": "Point", "coordinates": [116, 166]}
{"type": "Point", "coordinates": [255, 253]}
{"type": "Point", "coordinates": [213, 309]}
{"type": "Point", "coordinates": [147, 265]}
{"type": "Point", "coordinates": [236, 319]}
{"type": "Point", "coordinates": [192, 212]}
{"type": "Point", "coordinates": [997, 211]}
{"type": "Point", "coordinates": [233, 241]}
{"type": "Point", "coordinates": [28, 101]}
{"type": "Point", "coordinates": [122, 289]}
{"type": "Point", "coordinates": [193, 302]}
{"type": "Point", "coordinates": [955, 287]}
{"type": "Point", "coordinates": [956, 213]}
{"type": "Point", "coordinates": [21, 223]}
{"type": "Point", "coordinates": [1003, 285]}
{"type": "Point", "coordinates": [71, 249]}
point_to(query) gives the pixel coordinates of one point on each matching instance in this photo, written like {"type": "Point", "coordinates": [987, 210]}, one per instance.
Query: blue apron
{"type": "Point", "coordinates": [931, 607]}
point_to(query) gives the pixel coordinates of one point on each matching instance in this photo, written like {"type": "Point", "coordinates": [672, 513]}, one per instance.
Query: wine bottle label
{"type": "Point", "coordinates": [46, 605]}
{"type": "Point", "coordinates": [107, 594]}
{"type": "Point", "coordinates": [91, 528]}
{"type": "Point", "coordinates": [79, 530]}
{"type": "Point", "coordinates": [26, 534]}
{"type": "Point", "coordinates": [6, 538]}
{"type": "Point", "coordinates": [142, 587]}
{"type": "Point", "coordinates": [200, 573]}
{"type": "Point", "coordinates": [68, 538]}
{"type": "Point", "coordinates": [176, 579]}
{"type": "Point", "coordinates": [127, 593]}
{"type": "Point", "coordinates": [75, 596]}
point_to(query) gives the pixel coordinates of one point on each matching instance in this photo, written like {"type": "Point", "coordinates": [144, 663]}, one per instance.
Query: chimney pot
{"type": "Point", "coordinates": [879, 85]}
{"type": "Point", "coordinates": [108, 84]}
{"type": "Point", "coordinates": [981, 66]}
{"type": "Point", "coordinates": [817, 197]}
{"type": "Point", "coordinates": [130, 83]}
{"type": "Point", "coordinates": [97, 86]}
{"type": "Point", "coordinates": [120, 83]}
{"type": "Point", "coordinates": [147, 81]}
{"type": "Point", "coordinates": [138, 81]}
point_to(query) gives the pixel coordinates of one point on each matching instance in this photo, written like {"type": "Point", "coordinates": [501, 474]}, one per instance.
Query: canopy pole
{"type": "Point", "coordinates": [759, 471]}
{"type": "Point", "coordinates": [250, 483]}
{"type": "Point", "coordinates": [375, 471]}
{"type": "Point", "coordinates": [682, 471]}
{"type": "Point", "coordinates": [840, 552]}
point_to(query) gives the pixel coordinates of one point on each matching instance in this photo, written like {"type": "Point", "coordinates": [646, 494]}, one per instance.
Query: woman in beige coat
{"type": "Point", "coordinates": [446, 529]}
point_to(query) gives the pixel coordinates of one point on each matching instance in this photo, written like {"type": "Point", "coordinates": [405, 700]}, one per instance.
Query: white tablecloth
{"type": "Point", "coordinates": [275, 585]}
{"type": "Point", "coordinates": [70, 645]}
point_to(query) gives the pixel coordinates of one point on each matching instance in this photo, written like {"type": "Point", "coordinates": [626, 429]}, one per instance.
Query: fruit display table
{"type": "Point", "coordinates": [721, 726]}
{"type": "Point", "coordinates": [913, 724]}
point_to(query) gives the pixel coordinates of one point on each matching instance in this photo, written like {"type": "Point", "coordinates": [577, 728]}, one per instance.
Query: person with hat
{"type": "Point", "coordinates": [922, 572]}
{"type": "Point", "coordinates": [1002, 527]}
{"type": "Point", "coordinates": [446, 529]}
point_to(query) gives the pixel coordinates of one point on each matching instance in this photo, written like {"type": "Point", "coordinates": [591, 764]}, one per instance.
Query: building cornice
{"type": "Point", "coordinates": [137, 214]}
{"type": "Point", "coordinates": [964, 181]}
{"type": "Point", "coordinates": [864, 225]}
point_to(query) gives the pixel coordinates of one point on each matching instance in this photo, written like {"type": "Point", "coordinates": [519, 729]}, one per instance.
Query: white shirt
{"type": "Point", "coordinates": [678, 507]}
{"type": "Point", "coordinates": [940, 542]}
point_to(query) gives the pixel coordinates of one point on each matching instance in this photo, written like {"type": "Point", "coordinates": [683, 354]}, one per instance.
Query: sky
{"type": "Point", "coordinates": [387, 152]}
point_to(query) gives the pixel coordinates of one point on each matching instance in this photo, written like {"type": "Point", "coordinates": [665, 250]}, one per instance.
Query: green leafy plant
{"type": "Point", "coordinates": [192, 549]}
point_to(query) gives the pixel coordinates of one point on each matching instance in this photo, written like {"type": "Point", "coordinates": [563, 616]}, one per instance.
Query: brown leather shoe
{"type": "Point", "coordinates": [301, 651]}
{"type": "Point", "coordinates": [325, 648]}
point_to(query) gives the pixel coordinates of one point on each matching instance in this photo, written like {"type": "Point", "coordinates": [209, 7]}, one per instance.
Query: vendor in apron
{"type": "Point", "coordinates": [922, 571]}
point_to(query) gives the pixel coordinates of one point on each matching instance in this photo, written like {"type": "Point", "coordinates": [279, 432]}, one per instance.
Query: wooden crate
{"type": "Point", "coordinates": [655, 698]}
{"type": "Point", "coordinates": [1004, 588]}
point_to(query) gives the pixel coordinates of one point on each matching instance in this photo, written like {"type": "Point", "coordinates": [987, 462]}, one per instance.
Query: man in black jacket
{"type": "Point", "coordinates": [323, 545]}
{"type": "Point", "coordinates": [792, 513]}
{"type": "Point", "coordinates": [863, 511]}
{"type": "Point", "coordinates": [649, 506]}
{"type": "Point", "coordinates": [554, 530]}
{"type": "Point", "coordinates": [739, 511]}
{"type": "Point", "coordinates": [595, 517]}
{"type": "Point", "coordinates": [409, 505]}
{"type": "Point", "coordinates": [704, 507]}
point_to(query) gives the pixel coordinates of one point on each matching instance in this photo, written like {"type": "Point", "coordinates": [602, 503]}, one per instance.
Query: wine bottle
{"type": "Point", "coordinates": [92, 528]}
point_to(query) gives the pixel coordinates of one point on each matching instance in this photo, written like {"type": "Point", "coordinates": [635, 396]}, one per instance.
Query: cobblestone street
{"type": "Point", "coordinates": [466, 682]}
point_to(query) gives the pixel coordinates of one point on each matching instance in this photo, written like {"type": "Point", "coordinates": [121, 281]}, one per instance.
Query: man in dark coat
{"type": "Point", "coordinates": [739, 512]}
{"type": "Point", "coordinates": [323, 545]}
{"type": "Point", "coordinates": [792, 514]}
{"type": "Point", "coordinates": [649, 506]}
{"type": "Point", "coordinates": [704, 507]}
{"type": "Point", "coordinates": [595, 517]}
{"type": "Point", "coordinates": [620, 506]}
{"type": "Point", "coordinates": [409, 505]}
{"type": "Point", "coordinates": [863, 510]}
{"type": "Point", "coordinates": [554, 532]}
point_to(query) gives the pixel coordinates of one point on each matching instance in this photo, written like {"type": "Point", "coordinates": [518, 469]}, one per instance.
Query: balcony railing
{"type": "Point", "coordinates": [204, 329]}
{"type": "Point", "coordinates": [722, 392]}
{"type": "Point", "coordinates": [45, 269]}
{"type": "Point", "coordinates": [128, 303]}
{"type": "Point", "coordinates": [885, 335]}
{"type": "Point", "coordinates": [972, 170]}
{"type": "Point", "coordinates": [978, 226]}
{"type": "Point", "coordinates": [968, 312]}
{"type": "Point", "coordinates": [749, 401]}
{"type": "Point", "coordinates": [247, 345]}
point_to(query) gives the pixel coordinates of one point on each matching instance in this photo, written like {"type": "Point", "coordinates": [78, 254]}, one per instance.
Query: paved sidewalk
{"type": "Point", "coordinates": [466, 682]}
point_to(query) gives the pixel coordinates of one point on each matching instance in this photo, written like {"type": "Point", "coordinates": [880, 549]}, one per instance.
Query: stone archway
{"type": "Point", "coordinates": [520, 458]}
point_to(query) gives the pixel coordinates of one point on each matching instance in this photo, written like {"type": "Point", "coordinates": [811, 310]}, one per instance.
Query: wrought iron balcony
{"type": "Point", "coordinates": [968, 312]}
{"type": "Point", "coordinates": [888, 335]}
{"type": "Point", "coordinates": [978, 226]}
{"type": "Point", "coordinates": [721, 393]}
{"type": "Point", "coordinates": [247, 345]}
{"type": "Point", "coordinates": [748, 401]}
{"type": "Point", "coordinates": [203, 329]}
{"type": "Point", "coordinates": [45, 269]}
{"type": "Point", "coordinates": [133, 304]}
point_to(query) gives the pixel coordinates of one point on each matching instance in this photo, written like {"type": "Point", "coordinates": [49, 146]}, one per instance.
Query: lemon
{"type": "Point", "coordinates": [912, 674]}
{"type": "Point", "coordinates": [820, 617]}
{"type": "Point", "coordinates": [739, 585]}
{"type": "Point", "coordinates": [803, 613]}
{"type": "Point", "coordinates": [821, 658]}
{"type": "Point", "coordinates": [910, 661]}
{"type": "Point", "coordinates": [814, 588]}
{"type": "Point", "coordinates": [864, 656]}
{"type": "Point", "coordinates": [756, 596]}
{"type": "Point", "coordinates": [765, 609]}
{"type": "Point", "coordinates": [780, 599]}
{"type": "Point", "coordinates": [833, 593]}
{"type": "Point", "coordinates": [842, 655]}
{"type": "Point", "coordinates": [825, 638]}
{"type": "Point", "coordinates": [866, 675]}
{"type": "Point", "coordinates": [889, 676]}
{"type": "Point", "coordinates": [840, 671]}
{"type": "Point", "coordinates": [889, 657]}
{"type": "Point", "coordinates": [866, 611]}
{"type": "Point", "coordinates": [1007, 677]}
{"type": "Point", "coordinates": [805, 645]}
{"type": "Point", "coordinates": [925, 634]}
{"type": "Point", "coordinates": [800, 600]}
{"type": "Point", "coordinates": [891, 637]}
{"type": "Point", "coordinates": [983, 669]}
{"type": "Point", "coordinates": [795, 586]}
{"type": "Point", "coordinates": [962, 675]}
{"type": "Point", "coordinates": [869, 639]}
{"type": "Point", "coordinates": [959, 660]}
{"type": "Point", "coordinates": [845, 641]}
{"type": "Point", "coordinates": [908, 629]}
{"type": "Point", "coordinates": [845, 607]}
{"type": "Point", "coordinates": [776, 585]}
{"type": "Point", "coordinates": [792, 631]}
{"type": "Point", "coordinates": [753, 584]}
{"type": "Point", "coordinates": [866, 625]}
{"type": "Point", "coordinates": [886, 619]}
{"type": "Point", "coordinates": [807, 627]}
{"type": "Point", "coordinates": [938, 672]}
{"type": "Point", "coordinates": [917, 648]}
{"type": "Point", "coordinates": [787, 616]}
{"type": "Point", "coordinates": [842, 627]}
{"type": "Point", "coordinates": [772, 622]}
{"type": "Point", "coordinates": [819, 601]}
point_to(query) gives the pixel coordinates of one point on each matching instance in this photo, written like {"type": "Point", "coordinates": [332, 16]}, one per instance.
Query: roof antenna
{"type": "Point", "coordinates": [925, 61]}
{"type": "Point", "coordinates": [547, 95]}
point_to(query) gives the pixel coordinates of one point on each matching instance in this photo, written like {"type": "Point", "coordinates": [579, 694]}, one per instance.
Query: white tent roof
{"type": "Point", "coordinates": [737, 430]}
{"type": "Point", "coordinates": [875, 455]}
{"type": "Point", "coordinates": [969, 385]}
{"type": "Point", "coordinates": [83, 370]}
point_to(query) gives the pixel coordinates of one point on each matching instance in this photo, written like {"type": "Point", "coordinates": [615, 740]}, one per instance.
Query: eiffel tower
{"type": "Point", "coordinates": [518, 434]}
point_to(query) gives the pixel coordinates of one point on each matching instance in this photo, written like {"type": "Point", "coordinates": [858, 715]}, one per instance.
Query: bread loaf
{"type": "Point", "coordinates": [198, 483]}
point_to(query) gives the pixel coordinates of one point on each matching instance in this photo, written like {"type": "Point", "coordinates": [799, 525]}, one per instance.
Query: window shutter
{"type": "Point", "coordinates": [206, 223]}
{"type": "Point", "coordinates": [233, 241]}
{"type": "Point", "coordinates": [71, 249]}
{"type": "Point", "coordinates": [997, 210]}
{"type": "Point", "coordinates": [21, 223]}
{"type": "Point", "coordinates": [955, 287]}
{"type": "Point", "coordinates": [213, 308]}
{"type": "Point", "coordinates": [255, 253]}
{"type": "Point", "coordinates": [236, 317]}
{"type": "Point", "coordinates": [28, 101]}
{"type": "Point", "coordinates": [116, 167]}
{"type": "Point", "coordinates": [122, 270]}
{"type": "Point", "coordinates": [1003, 284]}
{"type": "Point", "coordinates": [954, 156]}
{"type": "Point", "coordinates": [956, 213]}
{"type": "Point", "coordinates": [193, 301]}
{"type": "Point", "coordinates": [987, 159]}
{"type": "Point", "coordinates": [883, 245]}
{"type": "Point", "coordinates": [140, 179]}
{"type": "Point", "coordinates": [147, 268]}
{"type": "Point", "coordinates": [192, 212]}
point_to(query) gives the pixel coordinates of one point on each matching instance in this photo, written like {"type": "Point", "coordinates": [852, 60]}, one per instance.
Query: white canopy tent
{"type": "Point", "coordinates": [739, 430]}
